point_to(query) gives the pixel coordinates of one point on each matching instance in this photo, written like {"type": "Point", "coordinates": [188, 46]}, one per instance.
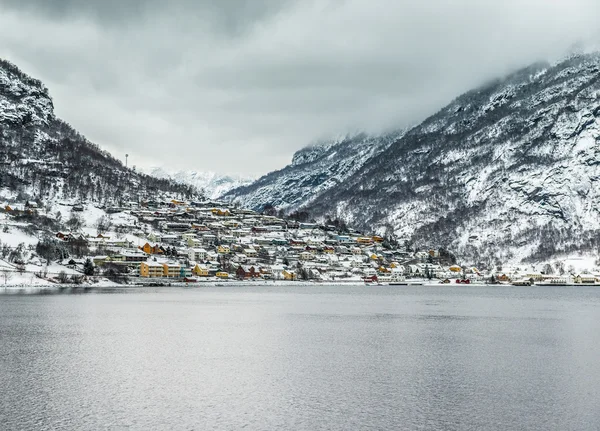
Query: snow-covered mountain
{"type": "Point", "coordinates": [508, 171]}
{"type": "Point", "coordinates": [212, 184]}
{"type": "Point", "coordinates": [42, 157]}
{"type": "Point", "coordinates": [313, 171]}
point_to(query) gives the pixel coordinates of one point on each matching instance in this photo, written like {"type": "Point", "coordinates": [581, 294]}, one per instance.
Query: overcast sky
{"type": "Point", "coordinates": [239, 85]}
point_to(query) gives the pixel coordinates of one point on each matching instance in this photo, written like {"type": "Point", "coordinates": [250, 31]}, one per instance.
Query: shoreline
{"type": "Point", "coordinates": [110, 286]}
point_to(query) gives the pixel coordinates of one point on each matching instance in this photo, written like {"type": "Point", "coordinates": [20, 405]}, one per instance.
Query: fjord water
{"type": "Point", "coordinates": [324, 357]}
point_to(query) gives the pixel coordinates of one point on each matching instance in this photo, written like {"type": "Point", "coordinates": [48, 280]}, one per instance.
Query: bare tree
{"type": "Point", "coordinates": [7, 275]}
{"type": "Point", "coordinates": [62, 277]}
{"type": "Point", "coordinates": [75, 222]}
{"type": "Point", "coordinates": [103, 224]}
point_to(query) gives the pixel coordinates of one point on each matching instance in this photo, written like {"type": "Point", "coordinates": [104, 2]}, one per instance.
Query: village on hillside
{"type": "Point", "coordinates": [173, 241]}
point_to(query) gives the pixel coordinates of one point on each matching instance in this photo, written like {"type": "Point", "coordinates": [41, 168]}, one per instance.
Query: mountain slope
{"type": "Point", "coordinates": [43, 157]}
{"type": "Point", "coordinates": [509, 171]}
{"type": "Point", "coordinates": [313, 171]}
{"type": "Point", "coordinates": [212, 184]}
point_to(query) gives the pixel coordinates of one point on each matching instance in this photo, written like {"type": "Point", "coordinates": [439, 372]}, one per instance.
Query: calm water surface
{"type": "Point", "coordinates": [303, 358]}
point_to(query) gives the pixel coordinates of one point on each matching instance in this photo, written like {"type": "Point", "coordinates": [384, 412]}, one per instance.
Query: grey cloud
{"type": "Point", "coordinates": [237, 86]}
{"type": "Point", "coordinates": [226, 16]}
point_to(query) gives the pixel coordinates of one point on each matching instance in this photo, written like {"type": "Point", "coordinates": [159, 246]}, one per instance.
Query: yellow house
{"type": "Point", "coordinates": [364, 240]}
{"type": "Point", "coordinates": [220, 212]}
{"type": "Point", "coordinates": [200, 271]}
{"type": "Point", "coordinates": [455, 268]}
{"type": "Point", "coordinates": [148, 249]}
{"type": "Point", "coordinates": [289, 275]}
{"type": "Point", "coordinates": [377, 238]}
{"type": "Point", "coordinates": [223, 249]}
{"type": "Point", "coordinates": [171, 269]}
{"type": "Point", "coordinates": [222, 274]}
{"type": "Point", "coordinates": [151, 269]}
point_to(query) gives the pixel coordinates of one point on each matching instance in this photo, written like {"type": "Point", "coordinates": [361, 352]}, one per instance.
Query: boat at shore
{"type": "Point", "coordinates": [560, 281]}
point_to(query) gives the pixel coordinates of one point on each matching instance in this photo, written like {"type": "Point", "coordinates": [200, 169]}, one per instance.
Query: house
{"type": "Point", "coordinates": [151, 269]}
{"type": "Point", "coordinates": [342, 249]}
{"type": "Point", "coordinates": [200, 270]}
{"type": "Point", "coordinates": [129, 257]}
{"type": "Point", "coordinates": [306, 255]}
{"type": "Point", "coordinates": [308, 226]}
{"type": "Point", "coordinates": [289, 275]}
{"type": "Point", "coordinates": [99, 260]}
{"type": "Point", "coordinates": [63, 235]}
{"type": "Point", "coordinates": [343, 239]}
{"type": "Point", "coordinates": [154, 237]}
{"type": "Point", "coordinates": [231, 223]}
{"type": "Point", "coordinates": [584, 279]}
{"type": "Point", "coordinates": [536, 276]}
{"type": "Point", "coordinates": [364, 240]}
{"type": "Point", "coordinates": [250, 252]}
{"type": "Point", "coordinates": [185, 236]}
{"type": "Point", "coordinates": [266, 272]}
{"type": "Point", "coordinates": [170, 239]}
{"type": "Point", "coordinates": [369, 272]}
{"type": "Point", "coordinates": [246, 272]}
{"type": "Point", "coordinates": [220, 212]}
{"type": "Point", "coordinates": [422, 255]}
{"type": "Point", "coordinates": [415, 270]}
{"type": "Point", "coordinates": [171, 269]}
{"type": "Point", "coordinates": [223, 249]}
{"type": "Point", "coordinates": [455, 268]}
{"type": "Point", "coordinates": [238, 233]}
{"type": "Point", "coordinates": [197, 254]}
{"type": "Point", "coordinates": [227, 239]}
{"type": "Point", "coordinates": [222, 275]}
{"type": "Point", "coordinates": [277, 271]}
{"type": "Point", "coordinates": [399, 269]}
{"type": "Point", "coordinates": [240, 258]}
{"type": "Point", "coordinates": [194, 242]}
{"type": "Point", "coordinates": [149, 249]}
{"type": "Point", "coordinates": [502, 277]}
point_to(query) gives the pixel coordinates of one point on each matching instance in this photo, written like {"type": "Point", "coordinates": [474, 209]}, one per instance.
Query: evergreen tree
{"type": "Point", "coordinates": [88, 267]}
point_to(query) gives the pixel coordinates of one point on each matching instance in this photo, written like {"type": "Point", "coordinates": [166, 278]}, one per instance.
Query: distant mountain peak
{"type": "Point", "coordinates": [211, 183]}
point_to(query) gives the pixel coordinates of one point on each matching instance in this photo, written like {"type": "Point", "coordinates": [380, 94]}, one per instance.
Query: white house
{"type": "Point", "coordinates": [197, 254]}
